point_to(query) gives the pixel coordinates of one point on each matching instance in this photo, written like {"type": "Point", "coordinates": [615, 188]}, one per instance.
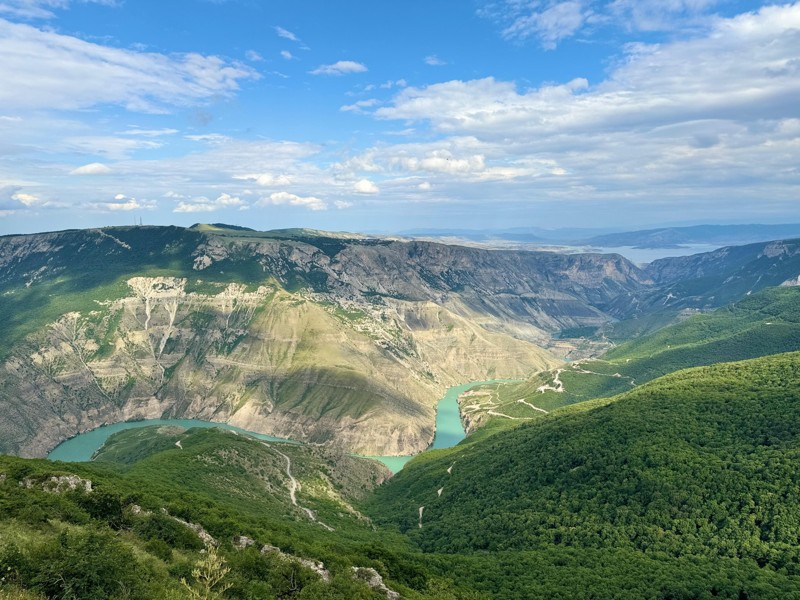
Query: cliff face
{"type": "Point", "coordinates": [713, 279]}
{"type": "Point", "coordinates": [346, 342]}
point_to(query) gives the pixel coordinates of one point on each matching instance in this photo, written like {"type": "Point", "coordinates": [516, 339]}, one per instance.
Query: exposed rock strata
{"type": "Point", "coordinates": [347, 343]}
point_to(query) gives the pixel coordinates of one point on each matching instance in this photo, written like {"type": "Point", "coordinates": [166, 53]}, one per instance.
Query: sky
{"type": "Point", "coordinates": [379, 116]}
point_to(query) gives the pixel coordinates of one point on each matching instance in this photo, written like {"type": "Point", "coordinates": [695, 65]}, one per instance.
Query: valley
{"type": "Point", "coordinates": [631, 431]}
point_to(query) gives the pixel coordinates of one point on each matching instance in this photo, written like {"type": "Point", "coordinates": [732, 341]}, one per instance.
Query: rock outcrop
{"type": "Point", "coordinates": [326, 339]}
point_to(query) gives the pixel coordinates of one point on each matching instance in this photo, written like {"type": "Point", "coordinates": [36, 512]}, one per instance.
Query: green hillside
{"type": "Point", "coordinates": [699, 462]}
{"type": "Point", "coordinates": [764, 323]}
{"type": "Point", "coordinates": [123, 538]}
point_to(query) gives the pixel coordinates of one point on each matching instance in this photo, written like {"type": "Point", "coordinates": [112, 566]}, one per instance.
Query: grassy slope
{"type": "Point", "coordinates": [765, 323]}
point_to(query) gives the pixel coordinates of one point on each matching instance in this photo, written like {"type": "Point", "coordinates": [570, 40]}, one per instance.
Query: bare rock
{"type": "Point", "coordinates": [315, 565]}
{"type": "Point", "coordinates": [374, 580]}
{"type": "Point", "coordinates": [240, 542]}
{"type": "Point", "coordinates": [57, 484]}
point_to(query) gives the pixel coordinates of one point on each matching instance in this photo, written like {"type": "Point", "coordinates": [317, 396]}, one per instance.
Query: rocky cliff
{"type": "Point", "coordinates": [335, 340]}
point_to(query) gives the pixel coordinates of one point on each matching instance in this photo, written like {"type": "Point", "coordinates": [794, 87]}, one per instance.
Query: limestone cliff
{"type": "Point", "coordinates": [332, 340]}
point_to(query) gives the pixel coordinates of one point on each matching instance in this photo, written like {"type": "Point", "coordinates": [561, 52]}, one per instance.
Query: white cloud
{"type": "Point", "coordinates": [434, 61]}
{"type": "Point", "coordinates": [149, 132]}
{"type": "Point", "coordinates": [550, 25]}
{"type": "Point", "coordinates": [12, 199]}
{"type": "Point", "coordinates": [266, 179]}
{"type": "Point", "coordinates": [211, 138]}
{"type": "Point", "coordinates": [551, 21]}
{"type": "Point", "coordinates": [226, 200]}
{"type": "Point", "coordinates": [425, 186]}
{"type": "Point", "coordinates": [401, 83]}
{"type": "Point", "coordinates": [201, 204]}
{"type": "Point", "coordinates": [342, 204]}
{"type": "Point", "coordinates": [341, 67]}
{"type": "Point", "coordinates": [40, 9]}
{"type": "Point", "coordinates": [359, 106]}
{"type": "Point", "coordinates": [91, 169]}
{"type": "Point", "coordinates": [286, 55]}
{"type": "Point", "coordinates": [253, 56]}
{"type": "Point", "coordinates": [121, 203]}
{"type": "Point", "coordinates": [50, 70]}
{"type": "Point", "coordinates": [365, 186]}
{"type": "Point", "coordinates": [310, 202]}
{"type": "Point", "coordinates": [747, 69]}
{"type": "Point", "coordinates": [711, 117]}
{"type": "Point", "coordinates": [286, 34]}
{"type": "Point", "coordinates": [658, 15]}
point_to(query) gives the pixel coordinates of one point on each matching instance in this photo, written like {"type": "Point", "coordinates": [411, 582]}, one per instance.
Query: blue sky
{"type": "Point", "coordinates": [386, 116]}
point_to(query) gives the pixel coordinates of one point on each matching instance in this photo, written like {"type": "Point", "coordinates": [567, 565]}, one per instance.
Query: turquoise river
{"type": "Point", "coordinates": [449, 431]}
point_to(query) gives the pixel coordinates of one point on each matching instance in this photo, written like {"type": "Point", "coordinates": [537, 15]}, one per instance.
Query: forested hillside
{"type": "Point", "coordinates": [699, 464]}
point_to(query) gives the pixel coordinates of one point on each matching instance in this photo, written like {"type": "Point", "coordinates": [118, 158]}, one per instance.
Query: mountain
{"type": "Point", "coordinates": [329, 338]}
{"type": "Point", "coordinates": [696, 466]}
{"type": "Point", "coordinates": [767, 322]}
{"type": "Point", "coordinates": [713, 279]}
{"type": "Point", "coordinates": [723, 235]}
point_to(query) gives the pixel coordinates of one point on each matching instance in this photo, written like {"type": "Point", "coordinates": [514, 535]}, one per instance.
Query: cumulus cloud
{"type": "Point", "coordinates": [365, 186]}
{"type": "Point", "coordinates": [746, 69]}
{"type": "Point", "coordinates": [91, 169]}
{"type": "Point", "coordinates": [286, 55]}
{"type": "Point", "coordinates": [201, 204]}
{"type": "Point", "coordinates": [13, 199]}
{"type": "Point", "coordinates": [342, 204]}
{"type": "Point", "coordinates": [123, 203]}
{"type": "Point", "coordinates": [310, 202]}
{"type": "Point", "coordinates": [702, 117]}
{"type": "Point", "coordinates": [342, 67]}
{"type": "Point", "coordinates": [253, 56]}
{"type": "Point", "coordinates": [51, 70]}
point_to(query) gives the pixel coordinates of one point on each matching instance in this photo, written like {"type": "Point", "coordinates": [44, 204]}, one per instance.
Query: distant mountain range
{"type": "Point", "coordinates": [667, 237]}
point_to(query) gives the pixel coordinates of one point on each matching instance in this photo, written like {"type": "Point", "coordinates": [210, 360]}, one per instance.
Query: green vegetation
{"type": "Point", "coordinates": [122, 539]}
{"type": "Point", "coordinates": [692, 477]}
{"type": "Point", "coordinates": [762, 324]}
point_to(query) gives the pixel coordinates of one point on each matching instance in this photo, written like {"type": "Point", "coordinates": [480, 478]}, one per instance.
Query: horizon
{"type": "Point", "coordinates": [480, 115]}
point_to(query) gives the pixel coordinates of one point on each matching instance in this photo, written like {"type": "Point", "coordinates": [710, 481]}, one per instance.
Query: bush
{"type": "Point", "coordinates": [90, 565]}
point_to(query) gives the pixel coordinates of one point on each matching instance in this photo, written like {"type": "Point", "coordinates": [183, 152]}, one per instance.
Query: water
{"type": "Point", "coordinates": [83, 446]}
{"type": "Point", "coordinates": [643, 256]}
{"type": "Point", "coordinates": [449, 431]}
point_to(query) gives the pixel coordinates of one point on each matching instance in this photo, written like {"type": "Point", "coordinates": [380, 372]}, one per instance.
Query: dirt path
{"type": "Point", "coordinates": [498, 414]}
{"type": "Point", "coordinates": [558, 385]}
{"type": "Point", "coordinates": [521, 401]}
{"type": "Point", "coordinates": [294, 487]}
